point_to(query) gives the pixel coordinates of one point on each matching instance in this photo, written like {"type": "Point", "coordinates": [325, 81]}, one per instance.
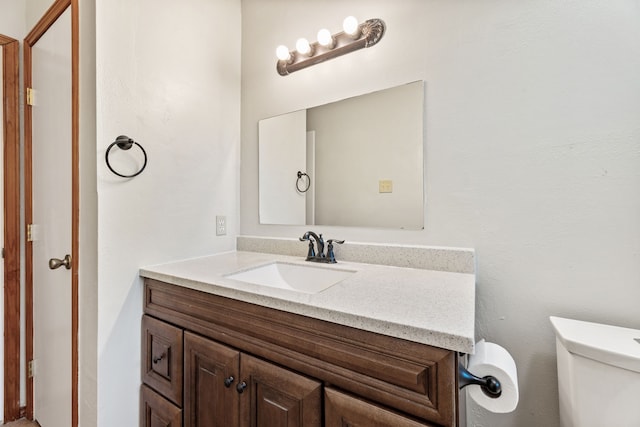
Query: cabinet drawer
{"type": "Point", "coordinates": [162, 358]}
{"type": "Point", "coordinates": [156, 411]}
{"type": "Point", "coordinates": [344, 410]}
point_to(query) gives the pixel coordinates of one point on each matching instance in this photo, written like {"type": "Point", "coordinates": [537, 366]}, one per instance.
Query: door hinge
{"type": "Point", "coordinates": [31, 369]}
{"type": "Point", "coordinates": [29, 232]}
{"type": "Point", "coordinates": [29, 96]}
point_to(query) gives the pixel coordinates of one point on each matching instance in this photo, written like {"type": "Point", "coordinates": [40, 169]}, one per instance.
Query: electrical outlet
{"type": "Point", "coordinates": [221, 225]}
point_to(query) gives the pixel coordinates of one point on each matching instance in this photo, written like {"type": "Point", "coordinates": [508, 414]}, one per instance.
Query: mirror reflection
{"type": "Point", "coordinates": [355, 162]}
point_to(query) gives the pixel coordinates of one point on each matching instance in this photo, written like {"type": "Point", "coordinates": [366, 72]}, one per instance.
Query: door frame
{"type": "Point", "coordinates": [47, 20]}
{"type": "Point", "coordinates": [11, 254]}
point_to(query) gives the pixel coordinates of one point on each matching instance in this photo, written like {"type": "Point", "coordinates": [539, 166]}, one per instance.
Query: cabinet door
{"type": "Point", "coordinates": [342, 410]}
{"type": "Point", "coordinates": [162, 358]}
{"type": "Point", "coordinates": [273, 397]}
{"type": "Point", "coordinates": [210, 378]}
{"type": "Point", "coordinates": [156, 411]}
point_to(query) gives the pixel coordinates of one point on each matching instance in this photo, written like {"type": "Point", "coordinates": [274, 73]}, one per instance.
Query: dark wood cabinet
{"type": "Point", "coordinates": [251, 366]}
{"type": "Point", "coordinates": [276, 397]}
{"type": "Point", "coordinates": [342, 410]}
{"type": "Point", "coordinates": [226, 388]}
{"type": "Point", "coordinates": [156, 411]}
{"type": "Point", "coordinates": [210, 375]}
{"type": "Point", "coordinates": [162, 358]}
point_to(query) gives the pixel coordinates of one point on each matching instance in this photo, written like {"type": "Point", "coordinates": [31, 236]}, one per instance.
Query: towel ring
{"type": "Point", "coordinates": [125, 143]}
{"type": "Point", "coordinates": [300, 175]}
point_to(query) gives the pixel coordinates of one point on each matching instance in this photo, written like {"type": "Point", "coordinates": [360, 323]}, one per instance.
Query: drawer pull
{"type": "Point", "coordinates": [228, 381]}
{"type": "Point", "coordinates": [240, 387]}
{"type": "Point", "coordinates": [156, 360]}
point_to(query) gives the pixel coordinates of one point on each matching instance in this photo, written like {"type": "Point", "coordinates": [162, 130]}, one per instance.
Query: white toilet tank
{"type": "Point", "coordinates": [598, 374]}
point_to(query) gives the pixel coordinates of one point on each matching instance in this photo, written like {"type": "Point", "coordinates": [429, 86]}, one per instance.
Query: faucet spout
{"type": "Point", "coordinates": [319, 243]}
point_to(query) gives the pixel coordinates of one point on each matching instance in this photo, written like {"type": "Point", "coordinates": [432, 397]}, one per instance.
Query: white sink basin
{"type": "Point", "coordinates": [309, 279]}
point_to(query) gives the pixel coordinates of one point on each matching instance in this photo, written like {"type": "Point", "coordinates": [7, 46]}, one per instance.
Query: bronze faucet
{"type": "Point", "coordinates": [320, 256]}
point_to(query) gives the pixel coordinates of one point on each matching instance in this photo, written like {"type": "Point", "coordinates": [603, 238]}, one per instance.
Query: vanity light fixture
{"type": "Point", "coordinates": [353, 37]}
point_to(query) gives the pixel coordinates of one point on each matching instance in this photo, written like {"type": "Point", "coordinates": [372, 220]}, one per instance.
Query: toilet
{"type": "Point", "coordinates": [598, 374]}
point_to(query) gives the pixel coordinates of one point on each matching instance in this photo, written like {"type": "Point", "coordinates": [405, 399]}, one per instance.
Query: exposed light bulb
{"type": "Point", "coordinates": [282, 52]}
{"type": "Point", "coordinates": [350, 26]}
{"type": "Point", "coordinates": [303, 46]}
{"type": "Point", "coordinates": [325, 38]}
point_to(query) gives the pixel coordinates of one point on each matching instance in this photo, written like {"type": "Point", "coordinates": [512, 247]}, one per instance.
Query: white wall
{"type": "Point", "coordinates": [532, 147]}
{"type": "Point", "coordinates": [168, 75]}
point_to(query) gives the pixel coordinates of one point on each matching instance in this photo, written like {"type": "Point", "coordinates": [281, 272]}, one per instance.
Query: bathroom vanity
{"type": "Point", "coordinates": [378, 348]}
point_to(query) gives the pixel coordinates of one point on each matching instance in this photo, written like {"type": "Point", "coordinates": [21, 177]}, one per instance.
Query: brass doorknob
{"type": "Point", "coordinates": [57, 263]}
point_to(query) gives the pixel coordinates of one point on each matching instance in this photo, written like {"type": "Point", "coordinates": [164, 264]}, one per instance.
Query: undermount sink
{"type": "Point", "coordinates": [308, 279]}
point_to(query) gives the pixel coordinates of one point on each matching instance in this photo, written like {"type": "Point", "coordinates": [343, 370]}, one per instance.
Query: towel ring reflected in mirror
{"type": "Point", "coordinates": [125, 143]}
{"type": "Point", "coordinates": [306, 183]}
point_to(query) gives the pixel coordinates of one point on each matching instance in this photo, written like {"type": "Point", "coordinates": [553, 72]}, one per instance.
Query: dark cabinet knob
{"type": "Point", "coordinates": [157, 359]}
{"type": "Point", "coordinates": [240, 387]}
{"type": "Point", "coordinates": [228, 381]}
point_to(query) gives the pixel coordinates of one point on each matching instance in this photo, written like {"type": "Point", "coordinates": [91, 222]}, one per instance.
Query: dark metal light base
{"type": "Point", "coordinates": [371, 31]}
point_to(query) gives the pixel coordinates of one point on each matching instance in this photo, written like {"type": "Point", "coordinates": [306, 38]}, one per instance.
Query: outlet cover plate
{"type": "Point", "coordinates": [221, 225]}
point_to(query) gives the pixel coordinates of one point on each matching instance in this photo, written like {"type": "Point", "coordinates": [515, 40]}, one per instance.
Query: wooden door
{"type": "Point", "coordinates": [342, 410]}
{"type": "Point", "coordinates": [10, 137]}
{"type": "Point", "coordinates": [275, 397]}
{"type": "Point", "coordinates": [210, 378]}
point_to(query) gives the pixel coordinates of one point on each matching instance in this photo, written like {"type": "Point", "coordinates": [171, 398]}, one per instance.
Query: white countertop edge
{"type": "Point", "coordinates": [456, 339]}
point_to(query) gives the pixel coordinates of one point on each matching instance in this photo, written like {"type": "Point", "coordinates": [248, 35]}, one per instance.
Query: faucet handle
{"type": "Point", "coordinates": [330, 254]}
{"type": "Point", "coordinates": [311, 252]}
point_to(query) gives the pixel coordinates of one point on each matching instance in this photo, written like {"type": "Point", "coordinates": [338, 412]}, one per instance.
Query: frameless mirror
{"type": "Point", "coordinates": [356, 162]}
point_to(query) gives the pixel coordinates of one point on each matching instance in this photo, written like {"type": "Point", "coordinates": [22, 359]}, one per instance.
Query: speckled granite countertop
{"type": "Point", "coordinates": [425, 306]}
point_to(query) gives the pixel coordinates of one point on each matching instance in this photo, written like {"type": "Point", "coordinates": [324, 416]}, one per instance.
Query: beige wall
{"type": "Point", "coordinates": [88, 262]}
{"type": "Point", "coordinates": [12, 22]}
{"type": "Point", "coordinates": [532, 152]}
